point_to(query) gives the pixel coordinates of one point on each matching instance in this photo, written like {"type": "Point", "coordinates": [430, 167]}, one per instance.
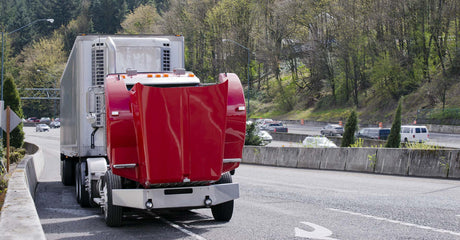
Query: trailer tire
{"type": "Point", "coordinates": [112, 214]}
{"type": "Point", "coordinates": [80, 188]}
{"type": "Point", "coordinates": [224, 211]}
{"type": "Point", "coordinates": [68, 172]}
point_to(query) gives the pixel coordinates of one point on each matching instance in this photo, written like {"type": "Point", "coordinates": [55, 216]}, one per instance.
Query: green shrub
{"type": "Point", "coordinates": [350, 128]}
{"type": "Point", "coordinates": [251, 135]}
{"type": "Point", "coordinates": [359, 143]}
{"type": "Point", "coordinates": [394, 139]}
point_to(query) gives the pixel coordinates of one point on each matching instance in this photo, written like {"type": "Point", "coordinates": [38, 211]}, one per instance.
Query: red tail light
{"type": "Point", "coordinates": [413, 136]}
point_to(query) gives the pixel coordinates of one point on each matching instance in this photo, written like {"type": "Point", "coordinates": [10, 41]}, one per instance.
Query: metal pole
{"type": "Point", "coordinates": [8, 113]}
{"type": "Point", "coordinates": [2, 68]}
{"type": "Point", "coordinates": [249, 82]}
{"type": "Point", "coordinates": [249, 59]}
{"type": "Point", "coordinates": [1, 130]}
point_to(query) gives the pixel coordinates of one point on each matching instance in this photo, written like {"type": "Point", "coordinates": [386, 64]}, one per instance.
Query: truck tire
{"type": "Point", "coordinates": [68, 172]}
{"type": "Point", "coordinates": [224, 211]}
{"type": "Point", "coordinates": [112, 214]}
{"type": "Point", "coordinates": [80, 188]}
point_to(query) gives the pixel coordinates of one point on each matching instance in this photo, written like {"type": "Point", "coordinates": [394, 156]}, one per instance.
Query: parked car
{"type": "Point", "coordinates": [373, 133]}
{"type": "Point", "coordinates": [332, 129]}
{"type": "Point", "coordinates": [411, 133]}
{"type": "Point", "coordinates": [263, 121]}
{"type": "Point", "coordinates": [318, 142]}
{"type": "Point", "coordinates": [45, 120]}
{"type": "Point", "coordinates": [33, 119]}
{"type": "Point", "coordinates": [276, 127]}
{"type": "Point", "coordinates": [42, 128]}
{"type": "Point", "coordinates": [55, 124]}
{"type": "Point", "coordinates": [266, 137]}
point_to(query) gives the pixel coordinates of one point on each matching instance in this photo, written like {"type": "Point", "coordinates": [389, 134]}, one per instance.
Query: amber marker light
{"type": "Point", "coordinates": [149, 75]}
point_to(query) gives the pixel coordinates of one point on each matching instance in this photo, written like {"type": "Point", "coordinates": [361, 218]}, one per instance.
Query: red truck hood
{"type": "Point", "coordinates": [180, 132]}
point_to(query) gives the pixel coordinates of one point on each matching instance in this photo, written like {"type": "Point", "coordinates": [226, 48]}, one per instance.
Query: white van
{"type": "Point", "coordinates": [410, 133]}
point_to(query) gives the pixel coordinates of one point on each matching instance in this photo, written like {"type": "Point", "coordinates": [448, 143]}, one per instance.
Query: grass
{"type": "Point", "coordinates": [421, 145]}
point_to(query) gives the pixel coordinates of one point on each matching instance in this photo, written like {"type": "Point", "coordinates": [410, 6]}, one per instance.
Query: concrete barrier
{"type": "Point", "coordinates": [19, 218]}
{"type": "Point", "coordinates": [454, 164]}
{"type": "Point", "coordinates": [404, 162]}
{"type": "Point", "coordinates": [361, 159]}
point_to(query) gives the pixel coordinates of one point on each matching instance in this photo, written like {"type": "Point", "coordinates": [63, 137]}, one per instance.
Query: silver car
{"type": "Point", "coordinates": [332, 129]}
{"type": "Point", "coordinates": [42, 128]}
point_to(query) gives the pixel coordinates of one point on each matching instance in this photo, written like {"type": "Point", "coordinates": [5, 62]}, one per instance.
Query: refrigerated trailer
{"type": "Point", "coordinates": [139, 131]}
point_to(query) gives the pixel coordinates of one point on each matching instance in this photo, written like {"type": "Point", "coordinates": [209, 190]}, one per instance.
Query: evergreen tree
{"type": "Point", "coordinates": [350, 128]}
{"type": "Point", "coordinates": [11, 98]}
{"type": "Point", "coordinates": [394, 139]}
{"type": "Point", "coordinates": [107, 15]}
{"type": "Point", "coordinates": [251, 135]}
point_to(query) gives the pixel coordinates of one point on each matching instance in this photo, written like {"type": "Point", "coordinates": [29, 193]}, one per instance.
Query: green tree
{"type": "Point", "coordinates": [143, 20]}
{"type": "Point", "coordinates": [107, 15]}
{"type": "Point", "coordinates": [251, 135]}
{"type": "Point", "coordinates": [350, 128]}
{"type": "Point", "coordinates": [394, 139]}
{"type": "Point", "coordinates": [11, 98]}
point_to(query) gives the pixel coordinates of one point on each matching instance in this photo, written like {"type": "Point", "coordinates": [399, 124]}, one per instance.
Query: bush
{"type": "Point", "coordinates": [251, 135]}
{"type": "Point", "coordinates": [11, 98]}
{"type": "Point", "coordinates": [350, 129]}
{"type": "Point", "coordinates": [394, 139]}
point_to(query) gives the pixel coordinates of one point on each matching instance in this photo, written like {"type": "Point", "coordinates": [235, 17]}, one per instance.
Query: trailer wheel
{"type": "Point", "coordinates": [80, 185]}
{"type": "Point", "coordinates": [68, 172]}
{"type": "Point", "coordinates": [112, 214]}
{"type": "Point", "coordinates": [224, 211]}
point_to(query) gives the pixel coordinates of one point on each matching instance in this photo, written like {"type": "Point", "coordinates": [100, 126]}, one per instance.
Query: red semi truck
{"type": "Point", "coordinates": [138, 131]}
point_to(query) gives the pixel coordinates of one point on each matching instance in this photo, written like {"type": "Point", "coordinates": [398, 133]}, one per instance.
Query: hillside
{"type": "Point", "coordinates": [374, 109]}
{"type": "Point", "coordinates": [303, 59]}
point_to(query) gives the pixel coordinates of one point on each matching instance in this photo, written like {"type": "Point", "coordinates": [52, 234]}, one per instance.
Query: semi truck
{"type": "Point", "coordinates": [138, 131]}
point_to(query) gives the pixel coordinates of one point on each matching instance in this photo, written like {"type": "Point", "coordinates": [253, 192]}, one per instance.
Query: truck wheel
{"type": "Point", "coordinates": [224, 211]}
{"type": "Point", "coordinates": [77, 187]}
{"type": "Point", "coordinates": [68, 172]}
{"type": "Point", "coordinates": [80, 185]}
{"type": "Point", "coordinates": [112, 214]}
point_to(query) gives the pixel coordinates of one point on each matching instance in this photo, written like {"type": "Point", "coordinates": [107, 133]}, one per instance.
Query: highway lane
{"type": "Point", "coordinates": [275, 203]}
{"type": "Point", "coordinates": [440, 139]}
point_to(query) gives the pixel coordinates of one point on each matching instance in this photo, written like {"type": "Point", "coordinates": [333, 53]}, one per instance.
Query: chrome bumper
{"type": "Point", "coordinates": [181, 197]}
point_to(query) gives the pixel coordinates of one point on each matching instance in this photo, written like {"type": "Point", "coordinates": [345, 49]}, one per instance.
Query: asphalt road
{"type": "Point", "coordinates": [440, 139]}
{"type": "Point", "coordinates": [275, 203]}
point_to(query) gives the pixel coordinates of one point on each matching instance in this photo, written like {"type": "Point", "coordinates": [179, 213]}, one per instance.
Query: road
{"type": "Point", "coordinates": [440, 139]}
{"type": "Point", "coordinates": [275, 203]}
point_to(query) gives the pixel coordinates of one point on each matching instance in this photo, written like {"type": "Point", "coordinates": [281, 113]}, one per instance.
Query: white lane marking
{"type": "Point", "coordinates": [396, 221]}
{"type": "Point", "coordinates": [319, 232]}
{"type": "Point", "coordinates": [196, 236]}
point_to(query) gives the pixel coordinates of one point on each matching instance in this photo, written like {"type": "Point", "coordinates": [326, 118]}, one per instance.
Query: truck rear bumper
{"type": "Point", "coordinates": [183, 197]}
